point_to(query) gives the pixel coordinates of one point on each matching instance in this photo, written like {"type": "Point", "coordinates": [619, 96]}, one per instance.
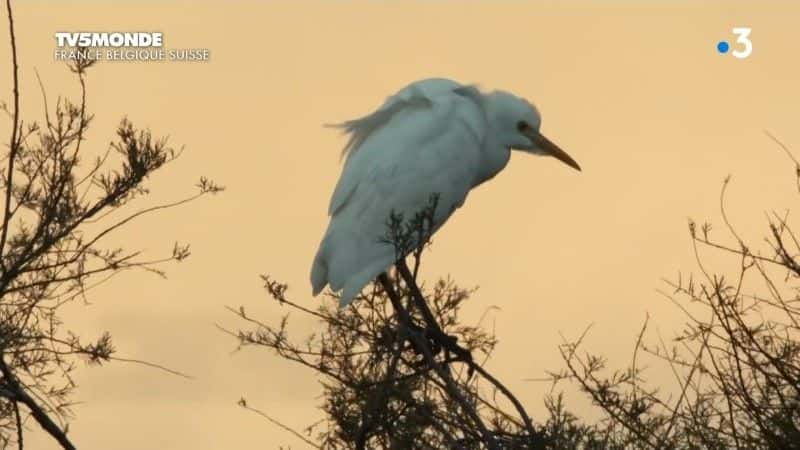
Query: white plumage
{"type": "Point", "coordinates": [434, 136]}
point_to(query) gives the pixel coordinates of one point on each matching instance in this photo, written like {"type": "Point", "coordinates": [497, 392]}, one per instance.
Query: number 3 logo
{"type": "Point", "coordinates": [743, 38]}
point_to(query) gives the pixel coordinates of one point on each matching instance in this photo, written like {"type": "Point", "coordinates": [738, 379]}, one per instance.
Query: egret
{"type": "Point", "coordinates": [433, 137]}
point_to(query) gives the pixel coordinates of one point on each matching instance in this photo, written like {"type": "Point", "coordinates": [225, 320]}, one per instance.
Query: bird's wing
{"type": "Point", "coordinates": [417, 96]}
{"type": "Point", "coordinates": [421, 152]}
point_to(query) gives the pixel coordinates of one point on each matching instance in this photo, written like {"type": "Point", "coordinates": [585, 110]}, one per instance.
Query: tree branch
{"type": "Point", "coordinates": [13, 147]}
{"type": "Point", "coordinates": [18, 394]}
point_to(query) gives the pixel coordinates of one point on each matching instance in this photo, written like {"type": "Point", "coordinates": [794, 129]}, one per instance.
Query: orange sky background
{"type": "Point", "coordinates": [635, 92]}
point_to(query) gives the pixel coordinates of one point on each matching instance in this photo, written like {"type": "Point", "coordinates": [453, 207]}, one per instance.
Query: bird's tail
{"type": "Point", "coordinates": [319, 272]}
{"type": "Point", "coordinates": [356, 282]}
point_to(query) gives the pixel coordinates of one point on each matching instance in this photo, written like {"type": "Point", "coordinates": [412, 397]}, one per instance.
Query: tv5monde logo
{"type": "Point", "coordinates": [122, 46]}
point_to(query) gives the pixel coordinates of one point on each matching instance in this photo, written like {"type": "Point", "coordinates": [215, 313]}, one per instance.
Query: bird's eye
{"type": "Point", "coordinates": [522, 125]}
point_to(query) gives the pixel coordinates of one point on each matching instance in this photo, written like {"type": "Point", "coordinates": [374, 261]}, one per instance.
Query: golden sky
{"type": "Point", "coordinates": [635, 91]}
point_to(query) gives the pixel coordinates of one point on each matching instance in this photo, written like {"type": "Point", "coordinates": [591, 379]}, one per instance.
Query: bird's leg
{"type": "Point", "coordinates": [433, 331]}
{"type": "Point", "coordinates": [406, 319]}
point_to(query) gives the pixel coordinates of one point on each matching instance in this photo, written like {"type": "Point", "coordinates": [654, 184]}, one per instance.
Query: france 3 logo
{"type": "Point", "coordinates": [743, 43]}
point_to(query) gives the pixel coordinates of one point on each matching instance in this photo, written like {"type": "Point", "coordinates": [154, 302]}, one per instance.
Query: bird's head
{"type": "Point", "coordinates": [517, 122]}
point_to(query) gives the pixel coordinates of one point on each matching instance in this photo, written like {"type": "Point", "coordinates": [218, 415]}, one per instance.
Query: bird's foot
{"type": "Point", "coordinates": [437, 341]}
{"type": "Point", "coordinates": [449, 343]}
{"type": "Point", "coordinates": [421, 333]}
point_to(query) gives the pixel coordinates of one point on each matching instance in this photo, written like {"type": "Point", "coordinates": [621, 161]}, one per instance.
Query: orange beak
{"type": "Point", "coordinates": [552, 149]}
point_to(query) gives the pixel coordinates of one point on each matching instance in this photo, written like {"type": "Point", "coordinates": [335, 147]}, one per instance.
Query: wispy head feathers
{"type": "Point", "coordinates": [419, 94]}
{"type": "Point", "coordinates": [359, 129]}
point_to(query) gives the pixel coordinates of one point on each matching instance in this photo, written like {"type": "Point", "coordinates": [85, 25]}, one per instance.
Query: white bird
{"type": "Point", "coordinates": [434, 136]}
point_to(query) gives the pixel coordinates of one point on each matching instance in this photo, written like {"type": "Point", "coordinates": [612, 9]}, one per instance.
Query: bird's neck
{"type": "Point", "coordinates": [495, 158]}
